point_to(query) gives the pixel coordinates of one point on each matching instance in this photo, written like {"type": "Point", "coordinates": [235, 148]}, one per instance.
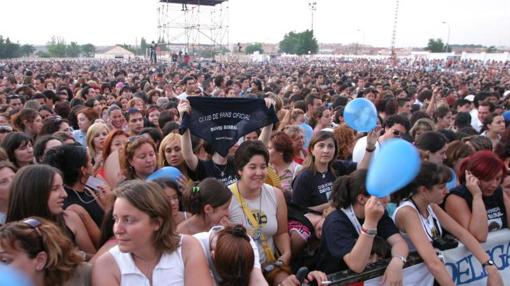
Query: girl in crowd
{"type": "Point", "coordinates": [433, 146]}
{"type": "Point", "coordinates": [149, 251]}
{"type": "Point", "coordinates": [493, 128]}
{"type": "Point", "coordinates": [479, 203]}
{"type": "Point", "coordinates": [43, 144]}
{"type": "Point", "coordinates": [153, 116]}
{"type": "Point", "coordinates": [298, 140]}
{"type": "Point", "coordinates": [350, 231]}
{"type": "Point", "coordinates": [7, 172]}
{"type": "Point", "coordinates": [456, 151]}
{"type": "Point", "coordinates": [232, 255]}
{"type": "Point", "coordinates": [85, 117]}
{"type": "Point", "coordinates": [170, 154]}
{"type": "Point", "coordinates": [312, 186]}
{"type": "Point", "coordinates": [345, 140]}
{"type": "Point", "coordinates": [96, 136]}
{"type": "Point", "coordinates": [281, 153]}
{"type": "Point", "coordinates": [113, 142]}
{"type": "Point", "coordinates": [305, 231]}
{"type": "Point", "coordinates": [76, 167]}
{"type": "Point", "coordinates": [18, 147]}
{"type": "Point", "coordinates": [29, 122]}
{"type": "Point", "coordinates": [54, 124]}
{"type": "Point", "coordinates": [260, 208]}
{"type": "Point", "coordinates": [443, 118]}
{"type": "Point", "coordinates": [208, 203]}
{"type": "Point", "coordinates": [38, 190]}
{"type": "Point", "coordinates": [174, 194]}
{"type": "Point", "coordinates": [138, 158]}
{"type": "Point", "coordinates": [321, 119]}
{"type": "Point", "coordinates": [421, 221]}
{"type": "Point", "coordinates": [43, 253]}
{"type": "Point", "coordinates": [421, 126]}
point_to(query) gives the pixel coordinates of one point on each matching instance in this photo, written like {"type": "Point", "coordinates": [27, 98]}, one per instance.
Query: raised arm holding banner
{"type": "Point", "coordinates": [222, 121]}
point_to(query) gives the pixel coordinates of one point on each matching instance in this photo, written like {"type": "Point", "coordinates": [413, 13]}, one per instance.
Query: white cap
{"type": "Point", "coordinates": [470, 97]}
{"type": "Point", "coordinates": [506, 93]}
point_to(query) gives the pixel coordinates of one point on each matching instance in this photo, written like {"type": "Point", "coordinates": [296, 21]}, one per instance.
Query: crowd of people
{"type": "Point", "coordinates": [80, 139]}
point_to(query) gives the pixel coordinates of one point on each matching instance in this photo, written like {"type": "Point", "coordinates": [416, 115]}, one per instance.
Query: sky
{"type": "Point", "coordinates": [109, 22]}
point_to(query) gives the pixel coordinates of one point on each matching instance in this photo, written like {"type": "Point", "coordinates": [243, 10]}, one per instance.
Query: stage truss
{"type": "Point", "coordinates": [192, 26]}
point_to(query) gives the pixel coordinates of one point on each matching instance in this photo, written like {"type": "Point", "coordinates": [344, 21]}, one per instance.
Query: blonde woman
{"type": "Point", "coordinates": [170, 154]}
{"type": "Point", "coordinates": [96, 136]}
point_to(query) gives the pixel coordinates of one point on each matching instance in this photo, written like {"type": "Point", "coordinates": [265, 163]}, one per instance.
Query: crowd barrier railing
{"type": "Point", "coordinates": [460, 262]}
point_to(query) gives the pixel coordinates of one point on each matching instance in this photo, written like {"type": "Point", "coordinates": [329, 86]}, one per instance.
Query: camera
{"type": "Point", "coordinates": [445, 242]}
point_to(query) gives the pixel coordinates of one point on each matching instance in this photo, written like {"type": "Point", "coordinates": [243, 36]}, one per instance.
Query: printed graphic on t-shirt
{"type": "Point", "coordinates": [495, 217]}
{"type": "Point", "coordinates": [260, 216]}
{"type": "Point", "coordinates": [326, 189]}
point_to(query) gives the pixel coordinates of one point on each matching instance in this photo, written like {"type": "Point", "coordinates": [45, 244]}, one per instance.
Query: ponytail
{"type": "Point", "coordinates": [208, 192]}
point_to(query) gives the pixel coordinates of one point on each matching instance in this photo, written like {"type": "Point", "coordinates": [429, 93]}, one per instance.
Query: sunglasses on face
{"type": "Point", "coordinates": [396, 132]}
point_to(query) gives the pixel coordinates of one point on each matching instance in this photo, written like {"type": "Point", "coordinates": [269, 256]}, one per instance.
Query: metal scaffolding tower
{"type": "Point", "coordinates": [193, 25]}
{"type": "Point", "coordinates": [394, 33]}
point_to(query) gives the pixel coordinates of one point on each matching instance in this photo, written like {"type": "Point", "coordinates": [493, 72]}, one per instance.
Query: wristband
{"type": "Point", "coordinates": [370, 232]}
{"type": "Point", "coordinates": [402, 258]}
{"type": "Point", "coordinates": [370, 150]}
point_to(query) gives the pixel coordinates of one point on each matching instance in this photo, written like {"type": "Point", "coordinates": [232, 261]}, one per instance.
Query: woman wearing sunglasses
{"type": "Point", "coordinates": [44, 254]}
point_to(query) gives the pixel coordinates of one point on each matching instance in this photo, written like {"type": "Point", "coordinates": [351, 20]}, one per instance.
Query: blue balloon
{"type": "Point", "coordinates": [167, 172]}
{"type": "Point", "coordinates": [360, 114]}
{"type": "Point", "coordinates": [506, 115]}
{"type": "Point", "coordinates": [308, 132]}
{"type": "Point", "coordinates": [393, 167]}
{"type": "Point", "coordinates": [452, 183]}
{"type": "Point", "coordinates": [11, 276]}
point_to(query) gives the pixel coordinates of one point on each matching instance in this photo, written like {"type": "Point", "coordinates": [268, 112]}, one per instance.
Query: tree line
{"type": "Point", "coordinates": [56, 48]}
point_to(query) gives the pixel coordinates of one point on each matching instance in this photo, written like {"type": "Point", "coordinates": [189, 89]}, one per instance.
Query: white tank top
{"type": "Point", "coordinates": [430, 224]}
{"type": "Point", "coordinates": [168, 272]}
{"type": "Point", "coordinates": [265, 209]}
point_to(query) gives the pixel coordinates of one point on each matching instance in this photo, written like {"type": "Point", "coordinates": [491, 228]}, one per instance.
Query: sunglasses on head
{"type": "Point", "coordinates": [34, 224]}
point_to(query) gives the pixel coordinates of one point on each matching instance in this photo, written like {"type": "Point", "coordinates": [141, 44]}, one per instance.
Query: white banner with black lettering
{"type": "Point", "coordinates": [464, 267]}
{"type": "Point", "coordinates": [467, 270]}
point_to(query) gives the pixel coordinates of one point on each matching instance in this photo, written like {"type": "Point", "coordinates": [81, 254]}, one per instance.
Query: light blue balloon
{"type": "Point", "coordinates": [308, 132]}
{"type": "Point", "coordinates": [11, 276]}
{"type": "Point", "coordinates": [167, 172]}
{"type": "Point", "coordinates": [393, 167]}
{"type": "Point", "coordinates": [360, 114]}
{"type": "Point", "coordinates": [452, 183]}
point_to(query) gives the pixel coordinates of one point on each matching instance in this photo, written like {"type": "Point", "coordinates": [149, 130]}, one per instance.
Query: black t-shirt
{"type": "Point", "coordinates": [344, 167]}
{"type": "Point", "coordinates": [225, 173]}
{"type": "Point", "coordinates": [339, 237]}
{"type": "Point", "coordinates": [311, 189]}
{"type": "Point", "coordinates": [87, 201]}
{"type": "Point", "coordinates": [496, 212]}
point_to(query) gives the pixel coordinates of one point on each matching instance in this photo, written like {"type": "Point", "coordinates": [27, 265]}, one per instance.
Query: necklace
{"type": "Point", "coordinates": [85, 192]}
{"type": "Point", "coordinates": [435, 231]}
{"type": "Point", "coordinates": [222, 172]}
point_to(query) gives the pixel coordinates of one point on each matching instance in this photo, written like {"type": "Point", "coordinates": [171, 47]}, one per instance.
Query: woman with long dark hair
{"type": "Point", "coordinates": [38, 190]}
{"type": "Point", "coordinates": [421, 221]}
